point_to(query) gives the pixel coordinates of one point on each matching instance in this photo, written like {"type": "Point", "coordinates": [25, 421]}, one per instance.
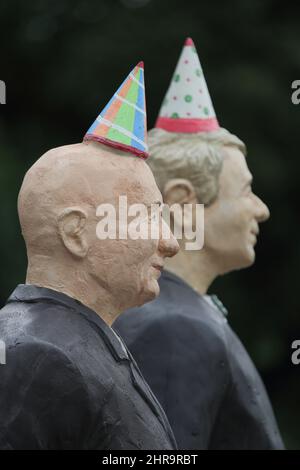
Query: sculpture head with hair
{"type": "Point", "coordinates": [195, 161]}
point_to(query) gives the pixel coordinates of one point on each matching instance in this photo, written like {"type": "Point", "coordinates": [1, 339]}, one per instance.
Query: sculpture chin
{"type": "Point", "coordinates": [247, 259]}
{"type": "Point", "coordinates": [150, 292]}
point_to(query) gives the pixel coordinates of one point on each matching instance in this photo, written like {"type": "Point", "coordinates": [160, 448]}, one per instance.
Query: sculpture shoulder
{"type": "Point", "coordinates": [52, 329]}
{"type": "Point", "coordinates": [44, 392]}
{"type": "Point", "coordinates": [241, 364]}
{"type": "Point", "coordinates": [52, 387]}
{"type": "Point", "coordinates": [165, 322]}
{"type": "Point", "coordinates": [36, 357]}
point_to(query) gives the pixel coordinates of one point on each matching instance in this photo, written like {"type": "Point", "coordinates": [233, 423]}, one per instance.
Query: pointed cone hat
{"type": "Point", "coordinates": [187, 106]}
{"type": "Point", "coordinates": [122, 124]}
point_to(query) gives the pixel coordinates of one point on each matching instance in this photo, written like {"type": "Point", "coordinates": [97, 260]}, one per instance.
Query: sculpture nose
{"type": "Point", "coordinates": [262, 211]}
{"type": "Point", "coordinates": [168, 245]}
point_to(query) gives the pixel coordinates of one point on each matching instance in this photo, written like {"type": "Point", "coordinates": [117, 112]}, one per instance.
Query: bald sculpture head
{"type": "Point", "coordinates": [78, 177]}
{"type": "Point", "coordinates": [57, 210]}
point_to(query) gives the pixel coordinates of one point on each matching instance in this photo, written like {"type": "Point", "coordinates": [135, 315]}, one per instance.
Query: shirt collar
{"type": "Point", "coordinates": [32, 294]}
{"type": "Point", "coordinates": [212, 300]}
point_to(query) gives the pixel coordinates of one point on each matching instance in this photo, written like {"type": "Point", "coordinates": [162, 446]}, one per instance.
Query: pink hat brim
{"type": "Point", "coordinates": [187, 125]}
{"type": "Point", "coordinates": [117, 145]}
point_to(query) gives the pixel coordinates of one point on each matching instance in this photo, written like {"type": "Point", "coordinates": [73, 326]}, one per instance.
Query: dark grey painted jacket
{"type": "Point", "coordinates": [69, 382]}
{"type": "Point", "coordinates": [199, 371]}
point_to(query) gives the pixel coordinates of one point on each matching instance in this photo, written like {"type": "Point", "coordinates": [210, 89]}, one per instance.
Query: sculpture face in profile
{"type": "Point", "coordinates": [209, 168]}
{"type": "Point", "coordinates": [76, 385]}
{"type": "Point", "coordinates": [194, 362]}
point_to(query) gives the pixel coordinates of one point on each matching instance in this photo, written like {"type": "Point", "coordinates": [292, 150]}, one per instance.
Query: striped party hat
{"type": "Point", "coordinates": [187, 106]}
{"type": "Point", "coordinates": [122, 124]}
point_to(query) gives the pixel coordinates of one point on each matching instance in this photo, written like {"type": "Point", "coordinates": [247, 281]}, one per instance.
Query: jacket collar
{"type": "Point", "coordinates": [33, 294]}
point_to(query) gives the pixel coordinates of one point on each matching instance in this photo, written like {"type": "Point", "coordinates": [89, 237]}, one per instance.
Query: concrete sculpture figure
{"type": "Point", "coordinates": [69, 382]}
{"type": "Point", "coordinates": [182, 341]}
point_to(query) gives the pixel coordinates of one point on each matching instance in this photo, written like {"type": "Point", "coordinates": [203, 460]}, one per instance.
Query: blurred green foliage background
{"type": "Point", "coordinates": [62, 60]}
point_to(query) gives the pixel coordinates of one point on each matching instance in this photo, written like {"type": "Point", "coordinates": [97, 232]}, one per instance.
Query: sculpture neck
{"type": "Point", "coordinates": [194, 267]}
{"type": "Point", "coordinates": [71, 280]}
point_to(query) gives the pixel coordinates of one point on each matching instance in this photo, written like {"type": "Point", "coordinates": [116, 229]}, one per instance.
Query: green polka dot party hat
{"type": "Point", "coordinates": [187, 106]}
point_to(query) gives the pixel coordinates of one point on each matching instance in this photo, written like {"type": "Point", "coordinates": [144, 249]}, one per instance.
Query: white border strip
{"type": "Point", "coordinates": [135, 80]}
{"type": "Point", "coordinates": [130, 104]}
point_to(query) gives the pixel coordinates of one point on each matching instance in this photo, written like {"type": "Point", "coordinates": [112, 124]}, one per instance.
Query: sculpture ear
{"type": "Point", "coordinates": [179, 191]}
{"type": "Point", "coordinates": [71, 225]}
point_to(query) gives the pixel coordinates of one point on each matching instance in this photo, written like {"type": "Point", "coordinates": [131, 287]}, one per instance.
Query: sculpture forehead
{"type": "Point", "coordinates": [235, 172]}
